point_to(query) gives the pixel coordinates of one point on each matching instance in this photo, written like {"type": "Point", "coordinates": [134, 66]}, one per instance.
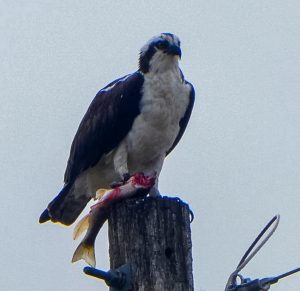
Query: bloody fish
{"type": "Point", "coordinates": [99, 213]}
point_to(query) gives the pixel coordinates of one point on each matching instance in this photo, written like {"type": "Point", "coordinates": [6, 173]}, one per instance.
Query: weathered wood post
{"type": "Point", "coordinates": [153, 236]}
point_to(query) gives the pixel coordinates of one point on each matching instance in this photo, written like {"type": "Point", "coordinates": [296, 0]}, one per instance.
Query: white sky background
{"type": "Point", "coordinates": [237, 165]}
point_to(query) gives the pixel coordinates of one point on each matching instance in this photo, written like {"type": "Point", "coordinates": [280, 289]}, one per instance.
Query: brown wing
{"type": "Point", "coordinates": [106, 122]}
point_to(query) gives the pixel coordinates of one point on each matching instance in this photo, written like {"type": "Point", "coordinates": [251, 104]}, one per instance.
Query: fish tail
{"type": "Point", "coordinates": [85, 252]}
{"type": "Point", "coordinates": [81, 226]}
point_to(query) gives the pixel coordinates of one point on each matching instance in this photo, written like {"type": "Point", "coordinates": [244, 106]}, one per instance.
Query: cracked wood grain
{"type": "Point", "coordinates": [153, 235]}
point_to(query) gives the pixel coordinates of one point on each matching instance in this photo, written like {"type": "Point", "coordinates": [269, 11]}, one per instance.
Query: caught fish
{"type": "Point", "coordinates": [99, 213]}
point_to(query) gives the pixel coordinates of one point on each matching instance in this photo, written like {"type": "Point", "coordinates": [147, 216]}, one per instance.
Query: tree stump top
{"type": "Point", "coordinates": [153, 236]}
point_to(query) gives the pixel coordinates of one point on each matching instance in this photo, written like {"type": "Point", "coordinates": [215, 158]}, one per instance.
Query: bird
{"type": "Point", "coordinates": [131, 125]}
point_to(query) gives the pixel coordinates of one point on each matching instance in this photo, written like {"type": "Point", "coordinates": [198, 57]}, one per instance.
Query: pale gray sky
{"type": "Point", "coordinates": [237, 165]}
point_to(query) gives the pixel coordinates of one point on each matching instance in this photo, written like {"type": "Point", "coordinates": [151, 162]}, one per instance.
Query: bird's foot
{"type": "Point", "coordinates": [125, 178]}
{"type": "Point", "coordinates": [154, 192]}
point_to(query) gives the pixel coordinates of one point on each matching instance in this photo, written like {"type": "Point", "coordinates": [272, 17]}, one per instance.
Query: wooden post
{"type": "Point", "coordinates": [153, 235]}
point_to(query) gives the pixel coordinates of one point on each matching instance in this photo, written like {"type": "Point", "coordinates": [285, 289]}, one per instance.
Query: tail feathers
{"type": "Point", "coordinates": [66, 206]}
{"type": "Point", "coordinates": [81, 226]}
{"type": "Point", "coordinates": [44, 216]}
{"type": "Point", "coordinates": [85, 252]}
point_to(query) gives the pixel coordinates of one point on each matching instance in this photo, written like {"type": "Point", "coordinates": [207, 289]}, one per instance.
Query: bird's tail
{"type": "Point", "coordinates": [85, 252]}
{"type": "Point", "coordinates": [66, 206]}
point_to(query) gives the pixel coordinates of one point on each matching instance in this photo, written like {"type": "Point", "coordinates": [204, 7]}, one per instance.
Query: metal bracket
{"type": "Point", "coordinates": [118, 279]}
{"type": "Point", "coordinates": [246, 284]}
{"type": "Point", "coordinates": [259, 284]}
{"type": "Point", "coordinates": [250, 285]}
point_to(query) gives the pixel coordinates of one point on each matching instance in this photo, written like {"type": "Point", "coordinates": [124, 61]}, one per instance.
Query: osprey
{"type": "Point", "coordinates": [131, 126]}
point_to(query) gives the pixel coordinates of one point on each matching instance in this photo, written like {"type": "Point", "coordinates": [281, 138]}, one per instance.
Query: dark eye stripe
{"type": "Point", "coordinates": [162, 44]}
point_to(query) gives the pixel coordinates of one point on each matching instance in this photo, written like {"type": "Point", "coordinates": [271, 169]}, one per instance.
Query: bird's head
{"type": "Point", "coordinates": [160, 53]}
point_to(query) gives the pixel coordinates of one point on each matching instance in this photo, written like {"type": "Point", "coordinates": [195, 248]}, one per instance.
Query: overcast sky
{"type": "Point", "coordinates": [237, 165]}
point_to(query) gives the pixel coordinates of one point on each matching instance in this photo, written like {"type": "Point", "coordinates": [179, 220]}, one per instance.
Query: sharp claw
{"type": "Point", "coordinates": [126, 177]}
{"type": "Point", "coordinates": [116, 184]}
{"type": "Point", "coordinates": [192, 216]}
{"type": "Point", "coordinates": [154, 192]}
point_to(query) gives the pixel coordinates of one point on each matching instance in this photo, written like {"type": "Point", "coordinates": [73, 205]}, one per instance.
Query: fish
{"type": "Point", "coordinates": [138, 184]}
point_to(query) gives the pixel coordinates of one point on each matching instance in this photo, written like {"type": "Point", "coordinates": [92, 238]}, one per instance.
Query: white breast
{"type": "Point", "coordinates": [164, 102]}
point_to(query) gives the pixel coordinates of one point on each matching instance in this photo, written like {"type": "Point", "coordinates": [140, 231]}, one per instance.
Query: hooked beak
{"type": "Point", "coordinates": [174, 50]}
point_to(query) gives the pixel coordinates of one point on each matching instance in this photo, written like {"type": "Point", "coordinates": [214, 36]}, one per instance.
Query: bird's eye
{"type": "Point", "coordinates": [162, 44]}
